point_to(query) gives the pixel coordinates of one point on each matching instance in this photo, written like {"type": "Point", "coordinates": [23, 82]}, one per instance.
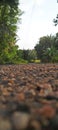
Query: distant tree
{"type": "Point", "coordinates": [25, 54]}
{"type": "Point", "coordinates": [43, 43]}
{"type": "Point", "coordinates": [56, 19]}
{"type": "Point", "coordinates": [56, 41]}
{"type": "Point", "coordinates": [49, 54]}
{"type": "Point", "coordinates": [29, 55]}
{"type": "Point", "coordinates": [32, 55]}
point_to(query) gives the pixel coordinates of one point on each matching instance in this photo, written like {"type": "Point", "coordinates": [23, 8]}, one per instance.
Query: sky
{"type": "Point", "coordinates": [36, 22]}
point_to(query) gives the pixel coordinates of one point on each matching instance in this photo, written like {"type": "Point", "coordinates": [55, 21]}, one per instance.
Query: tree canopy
{"type": "Point", "coordinates": [47, 48]}
{"type": "Point", "coordinates": [9, 16]}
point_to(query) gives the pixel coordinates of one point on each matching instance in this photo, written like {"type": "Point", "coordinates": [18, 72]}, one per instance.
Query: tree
{"type": "Point", "coordinates": [32, 55]}
{"type": "Point", "coordinates": [56, 41]}
{"type": "Point", "coordinates": [56, 19]}
{"type": "Point", "coordinates": [47, 48]}
{"type": "Point", "coordinates": [43, 43]}
{"type": "Point", "coordinates": [9, 16]}
{"type": "Point", "coordinates": [25, 54]}
{"type": "Point", "coordinates": [50, 54]}
{"type": "Point", "coordinates": [29, 55]}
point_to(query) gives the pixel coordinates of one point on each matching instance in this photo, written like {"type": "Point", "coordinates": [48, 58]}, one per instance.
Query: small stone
{"type": "Point", "coordinates": [5, 124]}
{"type": "Point", "coordinates": [46, 89]}
{"type": "Point", "coordinates": [20, 120]}
{"type": "Point", "coordinates": [5, 92]}
{"type": "Point", "coordinates": [38, 88]}
{"type": "Point", "coordinates": [10, 89]}
{"type": "Point", "coordinates": [28, 94]}
{"type": "Point", "coordinates": [23, 107]}
{"type": "Point", "coordinates": [35, 125]}
{"type": "Point", "coordinates": [54, 122]}
{"type": "Point", "coordinates": [11, 106]}
{"type": "Point", "coordinates": [11, 80]}
{"type": "Point", "coordinates": [9, 84]}
{"type": "Point", "coordinates": [32, 92]}
{"type": "Point", "coordinates": [47, 111]}
{"type": "Point", "coordinates": [42, 92]}
{"type": "Point", "coordinates": [20, 97]}
{"type": "Point", "coordinates": [56, 107]}
{"type": "Point", "coordinates": [3, 112]}
{"type": "Point", "coordinates": [44, 122]}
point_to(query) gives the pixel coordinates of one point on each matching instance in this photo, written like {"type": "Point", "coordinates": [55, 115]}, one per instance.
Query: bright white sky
{"type": "Point", "coordinates": [37, 21]}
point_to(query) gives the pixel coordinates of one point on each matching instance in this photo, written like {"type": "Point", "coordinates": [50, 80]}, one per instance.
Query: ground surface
{"type": "Point", "coordinates": [29, 97]}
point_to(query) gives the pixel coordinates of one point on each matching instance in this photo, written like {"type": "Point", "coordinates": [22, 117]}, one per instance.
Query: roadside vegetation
{"type": "Point", "coordinates": [45, 50]}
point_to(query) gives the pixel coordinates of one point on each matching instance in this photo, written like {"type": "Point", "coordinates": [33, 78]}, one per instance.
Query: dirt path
{"type": "Point", "coordinates": [29, 97]}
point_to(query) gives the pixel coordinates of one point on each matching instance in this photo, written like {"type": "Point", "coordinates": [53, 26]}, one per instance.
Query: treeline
{"type": "Point", "coordinates": [46, 49]}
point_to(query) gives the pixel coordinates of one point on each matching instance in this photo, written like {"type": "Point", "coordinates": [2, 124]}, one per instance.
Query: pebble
{"type": "Point", "coordinates": [5, 124]}
{"type": "Point", "coordinates": [47, 111]}
{"type": "Point", "coordinates": [20, 97]}
{"type": "Point", "coordinates": [35, 125]}
{"type": "Point", "coordinates": [20, 120]}
{"type": "Point", "coordinates": [54, 122]}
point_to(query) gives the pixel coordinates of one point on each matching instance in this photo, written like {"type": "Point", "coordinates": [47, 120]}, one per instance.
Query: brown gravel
{"type": "Point", "coordinates": [29, 97]}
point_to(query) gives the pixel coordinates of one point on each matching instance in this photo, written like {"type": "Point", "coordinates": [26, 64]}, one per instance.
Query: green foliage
{"type": "Point", "coordinates": [55, 56]}
{"type": "Point", "coordinates": [19, 61]}
{"type": "Point", "coordinates": [25, 54]}
{"type": "Point", "coordinates": [32, 55]}
{"type": "Point", "coordinates": [56, 19]}
{"type": "Point", "coordinates": [36, 61]}
{"type": "Point", "coordinates": [29, 55]}
{"type": "Point", "coordinates": [43, 43]}
{"type": "Point", "coordinates": [49, 54]}
{"type": "Point", "coordinates": [47, 48]}
{"type": "Point", "coordinates": [9, 16]}
{"type": "Point", "coordinates": [56, 41]}
{"type": "Point", "coordinates": [19, 54]}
